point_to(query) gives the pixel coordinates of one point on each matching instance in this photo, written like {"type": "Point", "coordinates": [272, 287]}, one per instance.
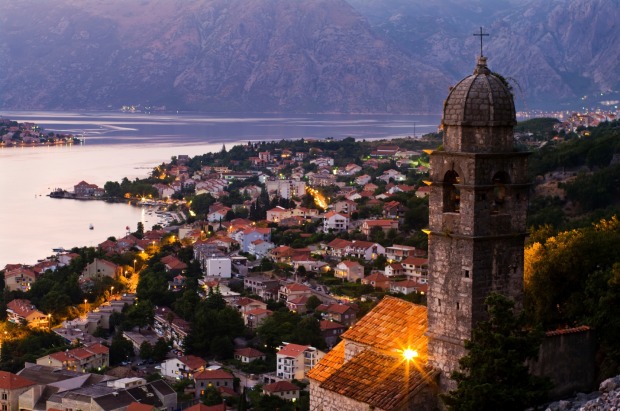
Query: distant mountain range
{"type": "Point", "coordinates": [354, 56]}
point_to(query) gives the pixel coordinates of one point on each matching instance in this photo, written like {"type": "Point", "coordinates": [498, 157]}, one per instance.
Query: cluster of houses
{"type": "Point", "coordinates": [17, 134]}
{"type": "Point", "coordinates": [405, 270]}
{"type": "Point", "coordinates": [576, 120]}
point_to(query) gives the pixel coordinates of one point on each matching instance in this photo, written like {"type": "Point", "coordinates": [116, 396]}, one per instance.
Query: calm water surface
{"type": "Point", "coordinates": [121, 145]}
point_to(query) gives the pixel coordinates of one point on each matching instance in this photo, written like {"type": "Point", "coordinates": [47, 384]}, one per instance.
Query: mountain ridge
{"type": "Point", "coordinates": [355, 56]}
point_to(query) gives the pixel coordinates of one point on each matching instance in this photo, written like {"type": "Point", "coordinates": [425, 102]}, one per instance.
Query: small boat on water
{"type": "Point", "coordinates": [90, 227]}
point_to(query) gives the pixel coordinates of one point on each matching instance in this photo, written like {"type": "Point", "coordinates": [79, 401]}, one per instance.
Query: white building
{"type": "Point", "coordinates": [335, 222]}
{"type": "Point", "coordinates": [293, 360]}
{"type": "Point", "coordinates": [182, 367]}
{"type": "Point", "coordinates": [286, 188]}
{"type": "Point", "coordinates": [218, 267]}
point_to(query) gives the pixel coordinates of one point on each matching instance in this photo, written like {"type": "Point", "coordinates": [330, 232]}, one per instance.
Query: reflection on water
{"type": "Point", "coordinates": [121, 145]}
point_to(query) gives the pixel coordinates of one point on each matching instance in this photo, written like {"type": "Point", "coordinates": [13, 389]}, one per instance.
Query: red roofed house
{"type": "Point", "coordinates": [182, 367]}
{"type": "Point", "coordinates": [138, 406]}
{"type": "Point", "coordinates": [394, 269]}
{"type": "Point", "coordinates": [366, 250]}
{"type": "Point", "coordinates": [335, 222]}
{"type": "Point", "coordinates": [292, 290]}
{"type": "Point", "coordinates": [278, 213]}
{"type": "Point", "coordinates": [212, 378]}
{"type": "Point", "coordinates": [19, 279]}
{"type": "Point", "coordinates": [349, 270]}
{"type": "Point", "coordinates": [385, 225]}
{"type": "Point", "coordinates": [253, 318]}
{"type": "Point", "coordinates": [78, 359]}
{"type": "Point", "coordinates": [377, 280]}
{"type": "Point", "coordinates": [408, 287]}
{"type": "Point", "coordinates": [297, 304]}
{"type": "Point", "coordinates": [173, 264]}
{"type": "Point", "coordinates": [101, 268]}
{"type": "Point", "coordinates": [293, 360]}
{"type": "Point", "coordinates": [83, 189]}
{"type": "Point", "coordinates": [283, 389]}
{"type": "Point", "coordinates": [22, 311]}
{"type": "Point", "coordinates": [341, 313]}
{"type": "Point", "coordinates": [416, 268]}
{"type": "Point", "coordinates": [337, 247]}
{"type": "Point", "coordinates": [249, 354]}
{"type": "Point", "coordinates": [423, 191]}
{"type": "Point", "coordinates": [201, 407]}
{"type": "Point", "coordinates": [252, 234]}
{"type": "Point", "coordinates": [330, 331]}
{"type": "Point", "coordinates": [11, 387]}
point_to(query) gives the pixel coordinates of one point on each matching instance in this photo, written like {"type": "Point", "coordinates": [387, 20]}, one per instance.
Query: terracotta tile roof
{"type": "Point", "coordinates": [391, 326]}
{"type": "Point", "coordinates": [415, 261]}
{"type": "Point", "coordinates": [336, 308]}
{"type": "Point", "coordinates": [227, 391]}
{"type": "Point", "coordinates": [574, 330]}
{"type": "Point", "coordinates": [259, 311]}
{"type": "Point", "coordinates": [192, 361]}
{"type": "Point", "coordinates": [137, 406]}
{"type": "Point", "coordinates": [249, 352]}
{"type": "Point", "coordinates": [362, 244]}
{"type": "Point", "coordinates": [339, 243]}
{"type": "Point", "coordinates": [380, 223]}
{"type": "Point", "coordinates": [331, 214]}
{"type": "Point", "coordinates": [23, 308]}
{"type": "Point", "coordinates": [292, 350]}
{"type": "Point", "coordinates": [297, 287]}
{"type": "Point", "coordinates": [330, 325]}
{"type": "Point", "coordinates": [329, 364]}
{"type": "Point", "coordinates": [10, 381]}
{"type": "Point", "coordinates": [202, 407]}
{"type": "Point", "coordinates": [213, 375]}
{"type": "Point", "coordinates": [378, 379]}
{"type": "Point", "coordinates": [301, 300]}
{"type": "Point", "coordinates": [281, 386]}
{"type": "Point", "coordinates": [376, 277]}
{"type": "Point", "coordinates": [98, 348]}
{"type": "Point", "coordinates": [349, 263]}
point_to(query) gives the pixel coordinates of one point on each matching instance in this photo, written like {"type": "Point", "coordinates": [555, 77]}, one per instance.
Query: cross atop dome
{"type": "Point", "coordinates": [481, 34]}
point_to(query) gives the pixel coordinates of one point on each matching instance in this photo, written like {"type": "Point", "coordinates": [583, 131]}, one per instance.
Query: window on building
{"type": "Point", "coordinates": [451, 193]}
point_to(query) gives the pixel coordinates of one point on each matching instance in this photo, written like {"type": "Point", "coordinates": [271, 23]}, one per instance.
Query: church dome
{"type": "Point", "coordinates": [480, 100]}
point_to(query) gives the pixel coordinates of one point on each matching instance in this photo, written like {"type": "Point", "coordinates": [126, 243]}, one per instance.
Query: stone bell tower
{"type": "Point", "coordinates": [478, 201]}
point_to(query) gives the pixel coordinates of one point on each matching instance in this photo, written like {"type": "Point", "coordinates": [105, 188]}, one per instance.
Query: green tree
{"type": "Point", "coordinates": [120, 349]}
{"type": "Point", "coordinates": [160, 349]}
{"type": "Point", "coordinates": [146, 350]}
{"type": "Point", "coordinates": [201, 203]}
{"type": "Point", "coordinates": [211, 396]}
{"type": "Point", "coordinates": [313, 302]}
{"type": "Point", "coordinates": [494, 374]}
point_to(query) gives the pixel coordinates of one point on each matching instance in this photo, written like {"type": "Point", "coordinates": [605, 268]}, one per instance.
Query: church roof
{"type": "Point", "coordinates": [481, 99]}
{"type": "Point", "coordinates": [379, 375]}
{"type": "Point", "coordinates": [378, 379]}
{"type": "Point", "coordinates": [329, 364]}
{"type": "Point", "coordinates": [392, 326]}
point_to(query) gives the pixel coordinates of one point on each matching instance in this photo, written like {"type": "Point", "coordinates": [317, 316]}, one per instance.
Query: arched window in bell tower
{"type": "Point", "coordinates": [500, 180]}
{"type": "Point", "coordinates": [451, 193]}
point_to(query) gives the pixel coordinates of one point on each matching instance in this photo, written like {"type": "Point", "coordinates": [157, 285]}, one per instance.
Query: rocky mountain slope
{"type": "Point", "coordinates": [555, 53]}
{"type": "Point", "coordinates": [215, 55]}
{"type": "Point", "coordinates": [354, 56]}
